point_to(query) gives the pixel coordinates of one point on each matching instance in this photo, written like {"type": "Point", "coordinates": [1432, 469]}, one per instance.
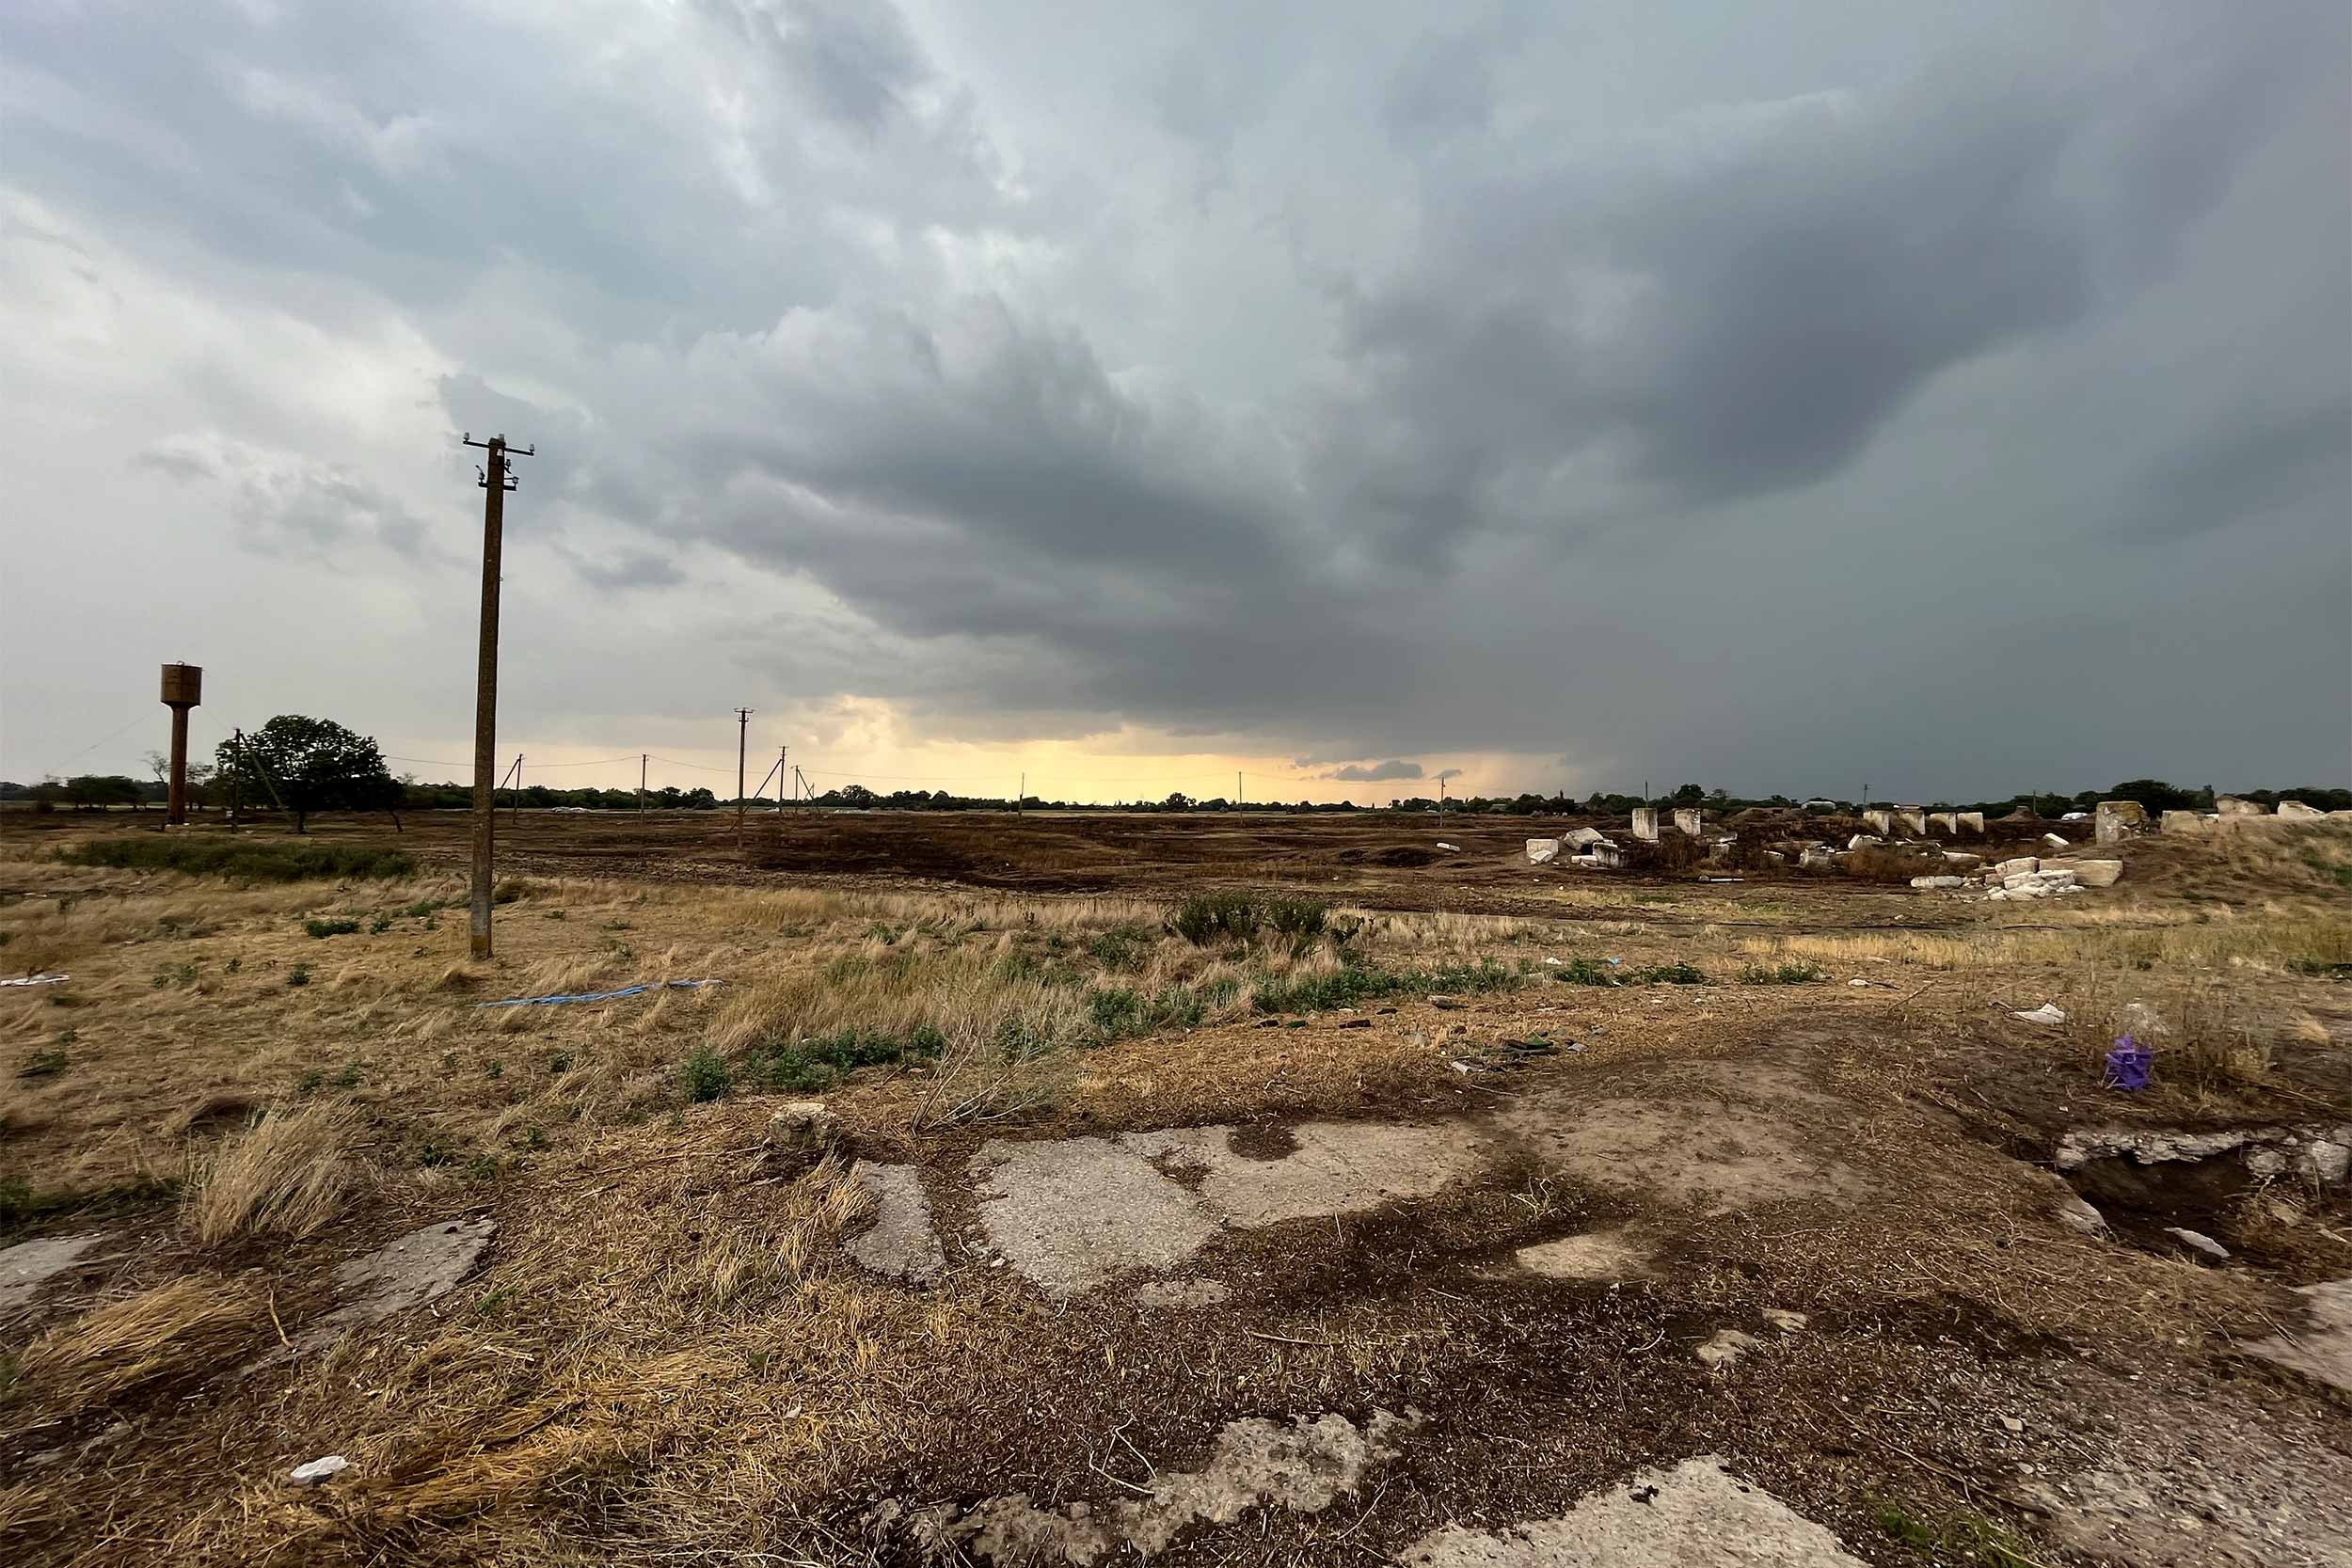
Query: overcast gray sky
{"type": "Point", "coordinates": [1954, 398]}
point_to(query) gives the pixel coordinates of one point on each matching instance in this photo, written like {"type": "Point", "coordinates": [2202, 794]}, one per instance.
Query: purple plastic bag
{"type": "Point", "coordinates": [2129, 1064]}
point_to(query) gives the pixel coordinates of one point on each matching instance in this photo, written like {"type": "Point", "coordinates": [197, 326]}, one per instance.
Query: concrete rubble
{"type": "Point", "coordinates": [1542, 851]}
{"type": "Point", "coordinates": [1646, 824]}
{"type": "Point", "coordinates": [2117, 820]}
{"type": "Point", "coordinates": [28, 1265]}
{"type": "Point", "coordinates": [901, 1242]}
{"type": "Point", "coordinates": [2296, 810]}
{"type": "Point", "coordinates": [1693, 1515]}
{"type": "Point", "coordinates": [1302, 1467]}
{"type": "Point", "coordinates": [2319, 1153]}
{"type": "Point", "coordinates": [2321, 1349]}
{"type": "Point", "coordinates": [1690, 821]}
{"type": "Point", "coordinates": [407, 1271]}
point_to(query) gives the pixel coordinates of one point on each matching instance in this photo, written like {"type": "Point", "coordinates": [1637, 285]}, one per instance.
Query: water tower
{"type": "Point", "coordinates": [183, 688]}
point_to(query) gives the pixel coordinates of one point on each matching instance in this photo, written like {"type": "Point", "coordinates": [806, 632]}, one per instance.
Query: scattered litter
{"type": "Point", "coordinates": [1862, 985]}
{"type": "Point", "coordinates": [2198, 1242]}
{"type": "Point", "coordinates": [322, 1469]}
{"type": "Point", "coordinates": [2129, 1064]}
{"type": "Point", "coordinates": [1453, 847]}
{"type": "Point", "coordinates": [37, 980]}
{"type": "Point", "coordinates": [2049, 1012]}
{"type": "Point", "coordinates": [1554, 962]}
{"type": "Point", "coordinates": [599, 995]}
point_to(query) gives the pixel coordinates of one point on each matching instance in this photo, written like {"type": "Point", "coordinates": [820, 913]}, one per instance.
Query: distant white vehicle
{"type": "Point", "coordinates": [2075, 816]}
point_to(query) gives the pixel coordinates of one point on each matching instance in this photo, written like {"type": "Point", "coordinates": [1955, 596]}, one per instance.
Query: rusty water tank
{"type": "Point", "coordinates": [183, 685]}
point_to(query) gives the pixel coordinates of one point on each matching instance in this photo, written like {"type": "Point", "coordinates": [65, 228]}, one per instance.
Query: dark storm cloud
{"type": "Point", "coordinates": [1708, 392]}
{"type": "Point", "coordinates": [1376, 772]}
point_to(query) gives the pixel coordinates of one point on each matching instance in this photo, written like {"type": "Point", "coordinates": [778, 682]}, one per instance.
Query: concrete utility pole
{"type": "Point", "coordinates": [783, 752]}
{"type": "Point", "coordinates": [497, 479]}
{"type": "Point", "coordinates": [743, 740]}
{"type": "Point", "coordinates": [183, 688]}
{"type": "Point", "coordinates": [518, 807]}
{"type": "Point", "coordinates": [236, 774]}
{"type": "Point", "coordinates": [641, 783]}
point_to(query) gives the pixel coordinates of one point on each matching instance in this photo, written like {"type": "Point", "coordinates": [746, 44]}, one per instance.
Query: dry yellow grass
{"type": "Point", "coordinates": [287, 1174]}
{"type": "Point", "coordinates": [193, 1324]}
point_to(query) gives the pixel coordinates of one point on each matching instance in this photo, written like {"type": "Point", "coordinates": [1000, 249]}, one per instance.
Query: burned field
{"type": "Point", "coordinates": [1084, 1187]}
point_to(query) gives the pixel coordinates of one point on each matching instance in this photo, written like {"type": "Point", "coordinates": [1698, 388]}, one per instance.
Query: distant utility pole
{"type": "Point", "coordinates": [640, 784]}
{"type": "Point", "coordinates": [236, 774]}
{"type": "Point", "coordinates": [1020, 794]}
{"type": "Point", "coordinates": [783, 752]}
{"type": "Point", "coordinates": [518, 790]}
{"type": "Point", "coordinates": [1237, 790]}
{"type": "Point", "coordinates": [742, 739]}
{"type": "Point", "coordinates": [497, 479]}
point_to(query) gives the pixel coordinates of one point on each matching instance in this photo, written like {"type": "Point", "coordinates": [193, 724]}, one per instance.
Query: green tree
{"type": "Point", "coordinates": [310, 765]}
{"type": "Point", "coordinates": [97, 791]}
{"type": "Point", "coordinates": [2155, 795]}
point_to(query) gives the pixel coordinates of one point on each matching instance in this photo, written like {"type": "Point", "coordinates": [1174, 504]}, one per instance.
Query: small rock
{"type": "Point", "coordinates": [2011, 1425]}
{"type": "Point", "coordinates": [2078, 1215]}
{"type": "Point", "coordinates": [1454, 848]}
{"type": "Point", "coordinates": [1784, 1320]}
{"type": "Point", "coordinates": [2198, 1242]}
{"type": "Point", "coordinates": [1861, 985]}
{"type": "Point", "coordinates": [803, 1131]}
{"type": "Point", "coordinates": [1443, 1001]}
{"type": "Point", "coordinates": [320, 1471]}
{"type": "Point", "coordinates": [2049, 1012]}
{"type": "Point", "coordinates": [1728, 1345]}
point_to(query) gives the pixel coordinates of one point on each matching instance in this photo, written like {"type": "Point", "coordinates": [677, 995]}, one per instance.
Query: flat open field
{"type": "Point", "coordinates": [1258, 1189]}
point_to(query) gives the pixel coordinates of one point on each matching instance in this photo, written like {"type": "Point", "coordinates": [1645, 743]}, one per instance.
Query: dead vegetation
{"type": "Point", "coordinates": [189, 1324]}
{"type": "Point", "coordinates": [286, 1176]}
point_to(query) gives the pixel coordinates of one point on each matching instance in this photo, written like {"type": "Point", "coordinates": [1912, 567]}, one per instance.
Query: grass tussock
{"type": "Point", "coordinates": [287, 1176]}
{"type": "Point", "coordinates": [190, 1324]}
{"type": "Point", "coordinates": [241, 860]}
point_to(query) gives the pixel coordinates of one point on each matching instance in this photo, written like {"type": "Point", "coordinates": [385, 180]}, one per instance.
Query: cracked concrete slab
{"type": "Point", "coordinates": [25, 1267]}
{"type": "Point", "coordinates": [1077, 1214]}
{"type": "Point", "coordinates": [407, 1271]}
{"type": "Point", "coordinates": [1252, 1177]}
{"type": "Point", "coordinates": [1694, 1515]}
{"type": "Point", "coordinates": [1303, 1467]}
{"type": "Point", "coordinates": [901, 1242]}
{"type": "Point", "coordinates": [2322, 1350]}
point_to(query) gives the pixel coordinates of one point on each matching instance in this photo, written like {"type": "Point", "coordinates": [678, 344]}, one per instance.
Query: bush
{"type": "Point", "coordinates": [1239, 916]}
{"type": "Point", "coordinates": [1782, 975]}
{"type": "Point", "coordinates": [818, 1062]}
{"type": "Point", "coordinates": [240, 860]}
{"type": "Point", "coordinates": [707, 1075]}
{"type": "Point", "coordinates": [1362, 983]}
{"type": "Point", "coordinates": [1595, 972]}
{"type": "Point", "coordinates": [321, 929]}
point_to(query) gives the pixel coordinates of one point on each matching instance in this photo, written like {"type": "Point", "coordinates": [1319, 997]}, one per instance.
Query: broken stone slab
{"type": "Point", "coordinates": [1326, 1167]}
{"type": "Point", "coordinates": [407, 1271]}
{"type": "Point", "coordinates": [1584, 838]}
{"type": "Point", "coordinates": [1074, 1215]}
{"type": "Point", "coordinates": [1604, 854]}
{"type": "Point", "coordinates": [25, 1267]}
{"type": "Point", "coordinates": [1303, 1467]}
{"type": "Point", "coordinates": [1944, 822]}
{"type": "Point", "coordinates": [2011, 867]}
{"type": "Point", "coordinates": [2231, 805]}
{"type": "Point", "coordinates": [1694, 1515]}
{"type": "Point", "coordinates": [1818, 858]}
{"type": "Point", "coordinates": [1881, 822]}
{"type": "Point", "coordinates": [2091, 873]}
{"type": "Point", "coordinates": [1646, 824]}
{"type": "Point", "coordinates": [1596, 1255]}
{"type": "Point", "coordinates": [2056, 841]}
{"type": "Point", "coordinates": [1939, 882]}
{"type": "Point", "coordinates": [2116, 820]}
{"type": "Point", "coordinates": [1542, 851]}
{"type": "Point", "coordinates": [2323, 1349]}
{"type": "Point", "coordinates": [2319, 1153]}
{"type": "Point", "coordinates": [901, 1241]}
{"type": "Point", "coordinates": [2180, 822]}
{"type": "Point", "coordinates": [1864, 841]}
{"type": "Point", "coordinates": [1912, 821]}
{"type": "Point", "coordinates": [1785, 1320]}
{"type": "Point", "coordinates": [1960, 860]}
{"type": "Point", "coordinates": [1690, 821]}
{"type": "Point", "coordinates": [2080, 1217]}
{"type": "Point", "coordinates": [1970, 822]}
{"type": "Point", "coordinates": [2297, 809]}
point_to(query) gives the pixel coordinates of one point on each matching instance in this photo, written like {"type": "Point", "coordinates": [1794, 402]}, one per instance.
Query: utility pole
{"type": "Point", "coordinates": [640, 784]}
{"type": "Point", "coordinates": [497, 479]}
{"type": "Point", "coordinates": [518, 807]}
{"type": "Point", "coordinates": [742, 739]}
{"type": "Point", "coordinates": [236, 774]}
{"type": "Point", "coordinates": [1021, 795]}
{"type": "Point", "coordinates": [782, 753]}
{"type": "Point", "coordinates": [1237, 790]}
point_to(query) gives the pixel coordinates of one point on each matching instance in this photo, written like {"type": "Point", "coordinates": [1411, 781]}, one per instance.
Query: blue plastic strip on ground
{"type": "Point", "coordinates": [594, 996]}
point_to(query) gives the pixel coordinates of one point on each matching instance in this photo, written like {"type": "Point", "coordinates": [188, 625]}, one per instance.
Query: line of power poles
{"type": "Point", "coordinates": [496, 479]}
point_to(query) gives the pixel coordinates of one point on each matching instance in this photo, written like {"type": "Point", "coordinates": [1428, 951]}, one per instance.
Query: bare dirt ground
{"type": "Point", "coordinates": [1507, 1214]}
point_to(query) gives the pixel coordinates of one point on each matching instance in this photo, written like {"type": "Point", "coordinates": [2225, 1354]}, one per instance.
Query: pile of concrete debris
{"type": "Point", "coordinates": [2028, 877]}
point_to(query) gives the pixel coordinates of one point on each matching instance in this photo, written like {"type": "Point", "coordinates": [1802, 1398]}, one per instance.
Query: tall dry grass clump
{"type": "Point", "coordinates": [105, 1354]}
{"type": "Point", "coordinates": [287, 1174]}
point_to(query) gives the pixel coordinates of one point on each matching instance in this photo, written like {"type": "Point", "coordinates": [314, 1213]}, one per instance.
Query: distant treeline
{"type": "Point", "coordinates": [93, 792]}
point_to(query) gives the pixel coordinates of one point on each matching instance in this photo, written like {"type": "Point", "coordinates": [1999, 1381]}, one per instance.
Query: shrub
{"type": "Point", "coordinates": [241, 860]}
{"type": "Point", "coordinates": [707, 1075]}
{"type": "Point", "coordinates": [1239, 916]}
{"type": "Point", "coordinates": [1595, 972]}
{"type": "Point", "coordinates": [321, 929]}
{"type": "Point", "coordinates": [819, 1061]}
{"type": "Point", "coordinates": [1359, 983]}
